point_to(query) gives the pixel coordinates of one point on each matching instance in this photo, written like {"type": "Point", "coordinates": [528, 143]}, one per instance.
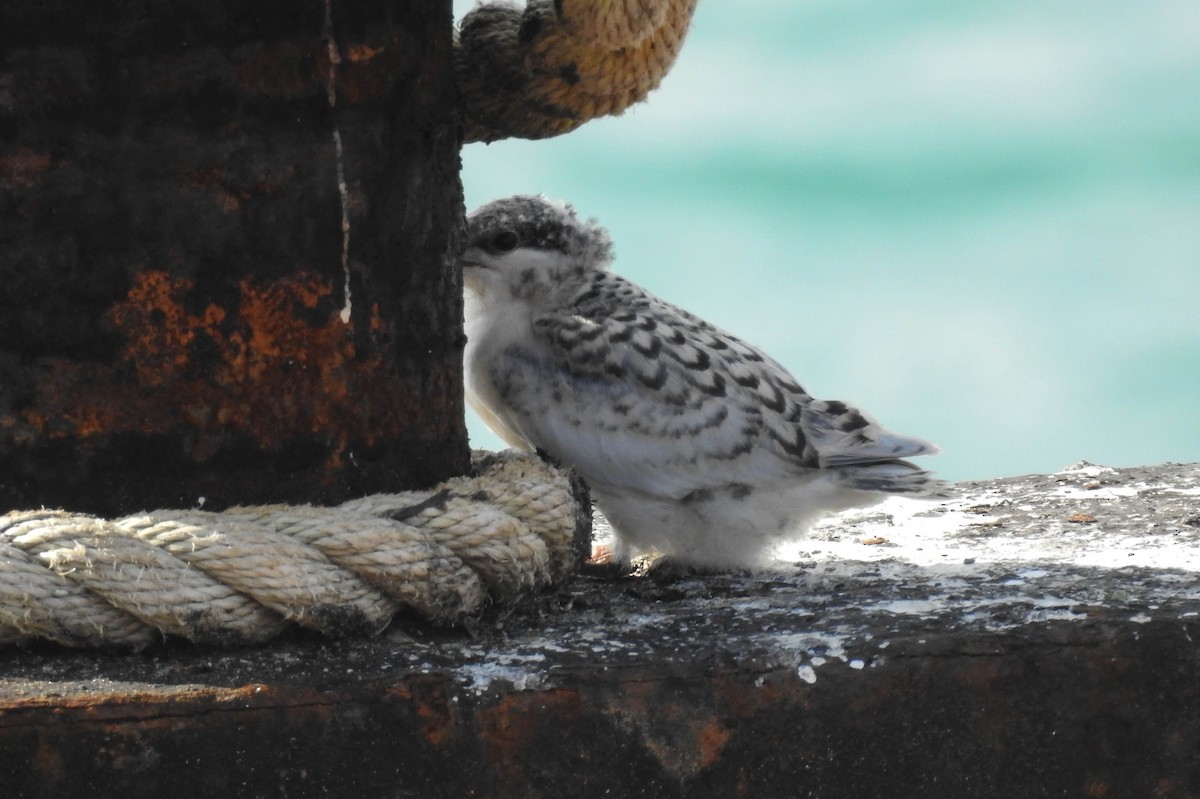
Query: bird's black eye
{"type": "Point", "coordinates": [503, 241]}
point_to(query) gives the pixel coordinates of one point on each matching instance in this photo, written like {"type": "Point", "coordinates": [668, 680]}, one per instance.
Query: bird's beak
{"type": "Point", "coordinates": [472, 265]}
{"type": "Point", "coordinates": [472, 258]}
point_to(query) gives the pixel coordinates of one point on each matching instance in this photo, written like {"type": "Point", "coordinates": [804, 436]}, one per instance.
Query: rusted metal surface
{"type": "Point", "coordinates": [223, 253]}
{"type": "Point", "coordinates": [1101, 711]}
{"type": "Point", "coordinates": [828, 677]}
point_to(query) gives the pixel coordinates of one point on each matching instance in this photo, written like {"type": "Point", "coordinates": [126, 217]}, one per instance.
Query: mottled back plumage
{"type": "Point", "coordinates": [694, 443]}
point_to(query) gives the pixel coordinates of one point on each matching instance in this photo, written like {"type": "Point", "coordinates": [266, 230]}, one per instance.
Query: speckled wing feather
{"type": "Point", "coordinates": [655, 399]}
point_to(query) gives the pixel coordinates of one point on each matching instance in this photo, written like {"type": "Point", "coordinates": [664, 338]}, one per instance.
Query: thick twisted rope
{"type": "Point", "coordinates": [546, 69]}
{"type": "Point", "coordinates": [245, 574]}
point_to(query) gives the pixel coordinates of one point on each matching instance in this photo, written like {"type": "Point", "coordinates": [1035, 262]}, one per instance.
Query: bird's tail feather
{"type": "Point", "coordinates": [893, 477]}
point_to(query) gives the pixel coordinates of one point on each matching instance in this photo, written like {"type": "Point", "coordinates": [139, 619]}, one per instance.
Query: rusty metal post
{"type": "Point", "coordinates": [224, 231]}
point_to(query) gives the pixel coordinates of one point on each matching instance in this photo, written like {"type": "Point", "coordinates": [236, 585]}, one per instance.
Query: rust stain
{"type": "Point", "coordinates": [434, 713]}
{"type": "Point", "coordinates": [160, 331]}
{"type": "Point", "coordinates": [229, 193]}
{"type": "Point", "coordinates": [273, 363]}
{"type": "Point", "coordinates": [362, 53]}
{"type": "Point", "coordinates": [744, 701]}
{"type": "Point", "coordinates": [436, 724]}
{"type": "Point", "coordinates": [210, 181]}
{"type": "Point", "coordinates": [1095, 788]}
{"type": "Point", "coordinates": [683, 738]}
{"type": "Point", "coordinates": [711, 737]}
{"type": "Point", "coordinates": [371, 70]}
{"type": "Point", "coordinates": [47, 762]}
{"type": "Point", "coordinates": [512, 725]}
{"type": "Point", "coordinates": [163, 706]}
{"type": "Point", "coordinates": [24, 167]}
{"type": "Point", "coordinates": [203, 178]}
{"type": "Point", "coordinates": [1167, 786]}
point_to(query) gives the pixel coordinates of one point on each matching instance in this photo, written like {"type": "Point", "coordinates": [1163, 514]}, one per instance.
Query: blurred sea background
{"type": "Point", "coordinates": [978, 222]}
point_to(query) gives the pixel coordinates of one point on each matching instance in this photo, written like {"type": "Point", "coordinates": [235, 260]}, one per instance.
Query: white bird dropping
{"type": "Point", "coordinates": [695, 444]}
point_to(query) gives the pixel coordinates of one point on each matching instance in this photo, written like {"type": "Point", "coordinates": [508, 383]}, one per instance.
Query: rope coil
{"type": "Point", "coordinates": [244, 575]}
{"type": "Point", "coordinates": [545, 69]}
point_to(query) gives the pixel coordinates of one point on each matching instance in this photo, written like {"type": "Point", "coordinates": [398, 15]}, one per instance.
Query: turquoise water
{"type": "Point", "coordinates": [978, 222]}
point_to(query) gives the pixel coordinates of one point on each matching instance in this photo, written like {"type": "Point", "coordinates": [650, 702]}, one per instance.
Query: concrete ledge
{"type": "Point", "coordinates": [1038, 637]}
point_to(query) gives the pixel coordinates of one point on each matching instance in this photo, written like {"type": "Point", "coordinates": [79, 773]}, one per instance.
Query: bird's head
{"type": "Point", "coordinates": [531, 249]}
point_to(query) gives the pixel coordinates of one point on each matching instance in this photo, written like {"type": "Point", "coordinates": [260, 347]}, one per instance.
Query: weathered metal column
{"type": "Point", "coordinates": [224, 232]}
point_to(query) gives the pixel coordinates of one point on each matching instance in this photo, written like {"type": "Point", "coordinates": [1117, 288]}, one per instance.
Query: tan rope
{"type": "Point", "coordinates": [243, 575]}
{"type": "Point", "coordinates": [546, 69]}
